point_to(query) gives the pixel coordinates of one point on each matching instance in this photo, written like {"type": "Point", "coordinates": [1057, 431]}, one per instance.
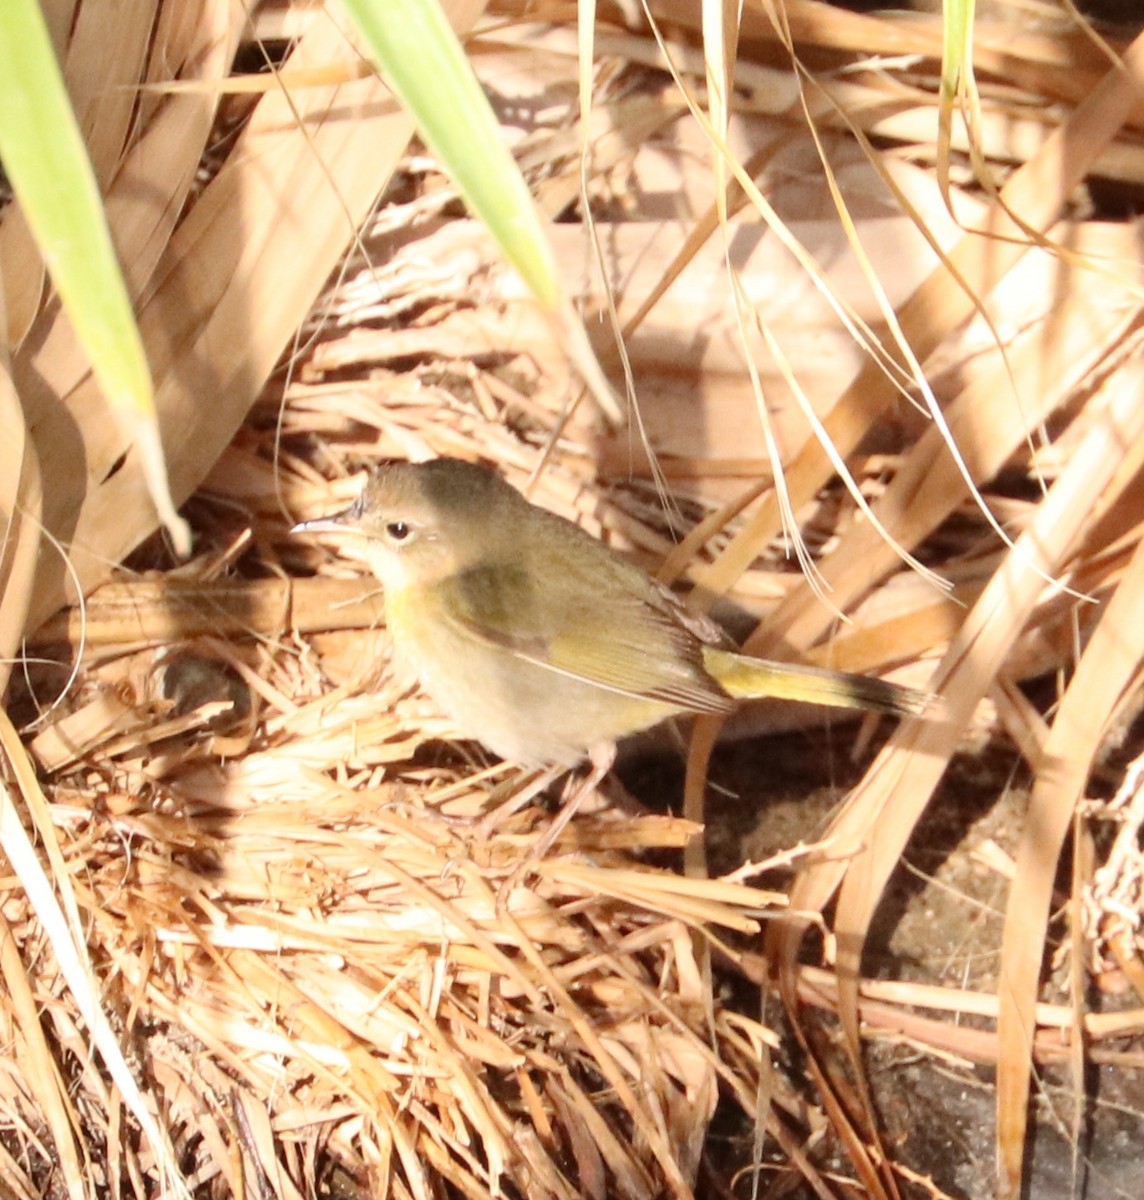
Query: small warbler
{"type": "Point", "coordinates": [537, 639]}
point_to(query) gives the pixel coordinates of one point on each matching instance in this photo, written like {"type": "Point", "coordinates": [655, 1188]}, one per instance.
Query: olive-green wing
{"type": "Point", "coordinates": [606, 624]}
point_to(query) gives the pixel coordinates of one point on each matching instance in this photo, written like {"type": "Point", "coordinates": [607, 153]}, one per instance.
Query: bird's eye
{"type": "Point", "coordinates": [398, 531]}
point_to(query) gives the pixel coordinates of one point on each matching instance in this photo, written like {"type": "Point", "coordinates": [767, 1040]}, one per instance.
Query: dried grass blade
{"type": "Point", "coordinates": [418, 50]}
{"type": "Point", "coordinates": [1045, 368]}
{"type": "Point", "coordinates": [593, 1144]}
{"type": "Point", "coordinates": [147, 195]}
{"type": "Point", "coordinates": [895, 783]}
{"type": "Point", "coordinates": [605, 1062]}
{"type": "Point", "coordinates": [13, 1177]}
{"type": "Point", "coordinates": [37, 1062]}
{"type": "Point", "coordinates": [1106, 668]}
{"type": "Point", "coordinates": [423, 60]}
{"type": "Point", "coordinates": [257, 1138]}
{"type": "Point", "coordinates": [240, 274]}
{"type": "Point", "coordinates": [946, 298]}
{"type": "Point", "coordinates": [22, 276]}
{"type": "Point", "coordinates": [71, 954]}
{"type": "Point", "coordinates": [867, 838]}
{"type": "Point", "coordinates": [20, 504]}
{"type": "Point", "coordinates": [100, 85]}
{"type": "Point", "coordinates": [47, 163]}
{"type": "Point", "coordinates": [748, 323]}
{"type": "Point", "coordinates": [699, 902]}
{"type": "Point", "coordinates": [148, 610]}
{"type": "Point", "coordinates": [844, 1109]}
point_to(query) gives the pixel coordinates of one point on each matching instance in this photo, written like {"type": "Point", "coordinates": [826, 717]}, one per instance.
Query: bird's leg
{"type": "Point", "coordinates": [601, 757]}
{"type": "Point", "coordinates": [537, 784]}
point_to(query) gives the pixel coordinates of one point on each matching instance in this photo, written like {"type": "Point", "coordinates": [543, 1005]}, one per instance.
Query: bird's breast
{"type": "Point", "coordinates": [519, 709]}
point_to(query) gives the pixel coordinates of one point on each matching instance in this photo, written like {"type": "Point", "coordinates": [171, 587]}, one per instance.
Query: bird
{"type": "Point", "coordinates": [538, 640]}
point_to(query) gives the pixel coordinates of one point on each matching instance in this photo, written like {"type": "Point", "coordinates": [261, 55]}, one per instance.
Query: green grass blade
{"type": "Point", "coordinates": [425, 65]}
{"type": "Point", "coordinates": [47, 165]}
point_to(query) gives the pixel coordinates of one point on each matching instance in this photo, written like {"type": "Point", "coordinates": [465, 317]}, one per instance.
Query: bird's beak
{"type": "Point", "coordinates": [340, 522]}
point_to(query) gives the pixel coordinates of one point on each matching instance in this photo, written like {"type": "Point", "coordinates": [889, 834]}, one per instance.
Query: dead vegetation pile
{"type": "Point", "coordinates": [328, 976]}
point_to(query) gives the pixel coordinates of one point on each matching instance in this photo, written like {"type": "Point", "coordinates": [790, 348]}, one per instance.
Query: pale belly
{"type": "Point", "coordinates": [521, 711]}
